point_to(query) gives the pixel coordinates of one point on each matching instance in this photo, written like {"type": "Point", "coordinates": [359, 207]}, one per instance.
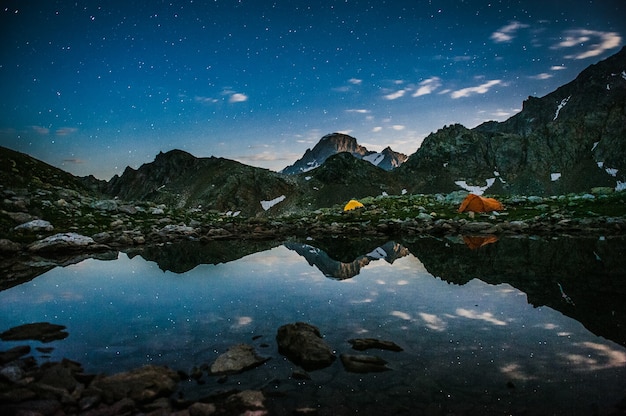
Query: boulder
{"type": "Point", "coordinates": [35, 226]}
{"type": "Point", "coordinates": [302, 343]}
{"type": "Point", "coordinates": [141, 385]}
{"type": "Point", "coordinates": [66, 242]}
{"type": "Point", "coordinates": [237, 359]}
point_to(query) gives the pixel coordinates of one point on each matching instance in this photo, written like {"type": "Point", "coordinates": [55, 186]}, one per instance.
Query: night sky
{"type": "Point", "coordinates": [94, 86]}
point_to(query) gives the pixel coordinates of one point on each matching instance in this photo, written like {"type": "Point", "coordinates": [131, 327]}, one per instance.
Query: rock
{"type": "Point", "coordinates": [363, 363]}
{"type": "Point", "coordinates": [176, 229]}
{"type": "Point", "coordinates": [35, 226]}
{"type": "Point", "coordinates": [104, 205]}
{"type": "Point", "coordinates": [140, 385]}
{"type": "Point", "coordinates": [13, 373]}
{"type": "Point", "coordinates": [102, 238]}
{"type": "Point", "coordinates": [202, 409]}
{"type": "Point", "coordinates": [21, 217]}
{"type": "Point", "coordinates": [8, 246]}
{"type": "Point", "coordinates": [302, 343]}
{"type": "Point", "coordinates": [361, 344]}
{"type": "Point", "coordinates": [237, 359]}
{"type": "Point", "coordinates": [65, 242]}
{"type": "Point", "coordinates": [14, 353]}
{"type": "Point", "coordinates": [41, 331]}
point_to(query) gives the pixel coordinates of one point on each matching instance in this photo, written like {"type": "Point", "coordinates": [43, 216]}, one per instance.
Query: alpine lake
{"type": "Point", "coordinates": [515, 325]}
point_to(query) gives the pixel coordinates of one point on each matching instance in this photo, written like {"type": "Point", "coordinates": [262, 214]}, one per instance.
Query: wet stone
{"type": "Point", "coordinates": [302, 343]}
{"type": "Point", "coordinates": [363, 363]}
{"type": "Point", "coordinates": [237, 359]}
{"type": "Point", "coordinates": [41, 331]}
{"type": "Point", "coordinates": [362, 344]}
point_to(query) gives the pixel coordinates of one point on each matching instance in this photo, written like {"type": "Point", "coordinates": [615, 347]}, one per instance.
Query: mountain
{"type": "Point", "coordinates": [567, 141]}
{"type": "Point", "coordinates": [338, 143]}
{"type": "Point", "coordinates": [179, 179]}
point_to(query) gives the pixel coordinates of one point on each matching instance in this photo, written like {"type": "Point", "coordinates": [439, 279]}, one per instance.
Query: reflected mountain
{"type": "Point", "coordinates": [183, 256]}
{"type": "Point", "coordinates": [346, 268]}
{"type": "Point", "coordinates": [583, 278]}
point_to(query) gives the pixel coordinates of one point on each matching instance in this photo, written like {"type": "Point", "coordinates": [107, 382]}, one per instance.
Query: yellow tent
{"type": "Point", "coordinates": [353, 204]}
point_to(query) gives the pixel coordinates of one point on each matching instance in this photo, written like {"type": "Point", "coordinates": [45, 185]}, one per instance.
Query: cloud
{"type": "Point", "coordinates": [358, 111]}
{"type": "Point", "coordinates": [427, 86]}
{"type": "Point", "coordinates": [64, 131]}
{"type": "Point", "coordinates": [377, 129]}
{"type": "Point", "coordinates": [355, 81]}
{"type": "Point", "coordinates": [205, 100]}
{"type": "Point", "coordinates": [40, 130]}
{"type": "Point", "coordinates": [238, 98]}
{"type": "Point", "coordinates": [594, 42]}
{"type": "Point", "coordinates": [74, 161]}
{"type": "Point", "coordinates": [398, 127]}
{"type": "Point", "coordinates": [395, 95]}
{"type": "Point", "coordinates": [507, 33]}
{"type": "Point", "coordinates": [558, 67]}
{"type": "Point", "coordinates": [541, 76]}
{"type": "Point", "coordinates": [479, 89]}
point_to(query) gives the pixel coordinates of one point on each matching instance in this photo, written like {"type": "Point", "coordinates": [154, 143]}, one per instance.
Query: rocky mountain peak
{"type": "Point", "coordinates": [334, 143]}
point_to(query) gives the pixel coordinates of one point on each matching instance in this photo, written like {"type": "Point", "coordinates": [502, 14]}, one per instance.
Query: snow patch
{"type": "Point", "coordinates": [621, 186]}
{"type": "Point", "coordinates": [594, 146]}
{"type": "Point", "coordinates": [561, 105]}
{"type": "Point", "coordinates": [404, 191]}
{"type": "Point", "coordinates": [377, 253]}
{"type": "Point", "coordinates": [600, 164]}
{"type": "Point", "coordinates": [374, 158]}
{"type": "Point", "coordinates": [308, 178]}
{"type": "Point", "coordinates": [611, 171]}
{"type": "Point", "coordinates": [477, 190]}
{"type": "Point", "coordinates": [269, 204]}
{"type": "Point", "coordinates": [445, 165]}
{"type": "Point", "coordinates": [623, 74]}
{"type": "Point", "coordinates": [555, 176]}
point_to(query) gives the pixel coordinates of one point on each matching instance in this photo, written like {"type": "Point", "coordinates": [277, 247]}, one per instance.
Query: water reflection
{"type": "Point", "coordinates": [484, 330]}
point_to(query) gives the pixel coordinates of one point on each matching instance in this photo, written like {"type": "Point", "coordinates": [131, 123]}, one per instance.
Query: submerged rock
{"type": "Point", "coordinates": [302, 343]}
{"type": "Point", "coordinates": [40, 331]}
{"type": "Point", "coordinates": [361, 344]}
{"type": "Point", "coordinates": [237, 359]}
{"type": "Point", "coordinates": [363, 363]}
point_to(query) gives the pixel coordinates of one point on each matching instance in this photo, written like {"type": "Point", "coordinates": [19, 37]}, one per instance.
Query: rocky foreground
{"type": "Point", "coordinates": [60, 388]}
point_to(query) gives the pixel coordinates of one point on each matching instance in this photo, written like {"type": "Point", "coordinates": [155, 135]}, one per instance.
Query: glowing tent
{"type": "Point", "coordinates": [477, 203]}
{"type": "Point", "coordinates": [353, 204]}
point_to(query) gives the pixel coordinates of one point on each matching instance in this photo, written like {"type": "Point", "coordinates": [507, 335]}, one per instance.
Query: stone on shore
{"type": "Point", "coordinates": [66, 242]}
{"type": "Point", "coordinates": [302, 343]}
{"type": "Point", "coordinates": [140, 385]}
{"type": "Point", "coordinates": [361, 344]}
{"type": "Point", "coordinates": [35, 226]}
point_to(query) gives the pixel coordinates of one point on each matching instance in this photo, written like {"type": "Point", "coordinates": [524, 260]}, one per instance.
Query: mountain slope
{"type": "Point", "coordinates": [181, 180]}
{"type": "Point", "coordinates": [334, 143]}
{"type": "Point", "coordinates": [567, 141]}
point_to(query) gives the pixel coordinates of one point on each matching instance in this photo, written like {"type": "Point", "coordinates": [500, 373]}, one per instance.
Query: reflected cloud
{"type": "Point", "coordinates": [433, 321]}
{"type": "Point", "coordinates": [401, 315]}
{"type": "Point", "coordinates": [598, 357]}
{"type": "Point", "coordinates": [485, 316]}
{"type": "Point", "coordinates": [242, 321]}
{"type": "Point", "coordinates": [514, 371]}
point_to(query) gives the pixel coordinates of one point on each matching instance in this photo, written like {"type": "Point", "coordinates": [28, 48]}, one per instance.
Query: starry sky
{"type": "Point", "coordinates": [95, 86]}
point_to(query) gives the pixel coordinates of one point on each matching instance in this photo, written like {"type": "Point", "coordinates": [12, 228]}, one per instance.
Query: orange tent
{"type": "Point", "coordinates": [477, 203]}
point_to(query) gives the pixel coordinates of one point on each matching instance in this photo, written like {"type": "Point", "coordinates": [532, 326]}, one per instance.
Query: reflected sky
{"type": "Point", "coordinates": [459, 341]}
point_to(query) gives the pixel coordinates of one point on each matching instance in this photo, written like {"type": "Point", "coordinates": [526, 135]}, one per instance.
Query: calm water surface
{"type": "Point", "coordinates": [469, 346]}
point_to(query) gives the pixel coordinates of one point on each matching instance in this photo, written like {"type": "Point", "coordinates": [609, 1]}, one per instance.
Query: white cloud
{"type": "Point", "coordinates": [205, 100]}
{"type": "Point", "coordinates": [355, 81]}
{"type": "Point", "coordinates": [427, 86]}
{"type": "Point", "coordinates": [395, 95]}
{"type": "Point", "coordinates": [479, 89]}
{"type": "Point", "coordinates": [507, 33]}
{"type": "Point", "coordinates": [594, 42]}
{"type": "Point", "coordinates": [64, 131]}
{"type": "Point", "coordinates": [238, 98]}
{"type": "Point", "coordinates": [398, 127]}
{"type": "Point", "coordinates": [41, 130]}
{"type": "Point", "coordinates": [558, 67]}
{"type": "Point", "coordinates": [377, 129]}
{"type": "Point", "coordinates": [358, 111]}
{"type": "Point", "coordinates": [541, 76]}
